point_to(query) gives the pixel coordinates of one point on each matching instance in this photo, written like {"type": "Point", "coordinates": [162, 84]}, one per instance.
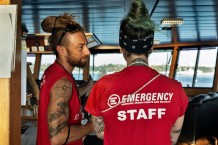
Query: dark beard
{"type": "Point", "coordinates": [75, 63]}
{"type": "Point", "coordinates": [81, 65]}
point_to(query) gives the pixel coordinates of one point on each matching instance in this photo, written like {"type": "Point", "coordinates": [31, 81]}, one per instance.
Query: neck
{"type": "Point", "coordinates": [66, 66]}
{"type": "Point", "coordinates": [138, 62]}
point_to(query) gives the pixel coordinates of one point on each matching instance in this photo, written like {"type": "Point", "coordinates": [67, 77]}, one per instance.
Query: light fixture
{"type": "Point", "coordinates": [168, 23]}
{"type": "Point", "coordinates": [171, 22]}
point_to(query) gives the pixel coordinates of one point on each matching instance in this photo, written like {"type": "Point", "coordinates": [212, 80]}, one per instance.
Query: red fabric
{"type": "Point", "coordinates": [52, 75]}
{"type": "Point", "coordinates": [148, 118]}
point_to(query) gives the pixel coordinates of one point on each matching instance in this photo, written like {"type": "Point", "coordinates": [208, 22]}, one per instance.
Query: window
{"type": "Point", "coordinates": [102, 64]}
{"type": "Point", "coordinates": [160, 60]}
{"type": "Point", "coordinates": [206, 68]}
{"type": "Point", "coordinates": [31, 59]}
{"type": "Point", "coordinates": [78, 73]}
{"type": "Point", "coordinates": [46, 61]}
{"type": "Point", "coordinates": [196, 67]}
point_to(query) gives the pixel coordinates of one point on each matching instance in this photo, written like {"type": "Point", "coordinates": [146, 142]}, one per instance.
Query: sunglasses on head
{"type": "Point", "coordinates": [68, 28]}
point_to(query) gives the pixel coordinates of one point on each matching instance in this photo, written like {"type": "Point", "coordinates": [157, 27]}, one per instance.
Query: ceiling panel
{"type": "Point", "coordinates": [102, 17]}
{"type": "Point", "coordinates": [200, 17]}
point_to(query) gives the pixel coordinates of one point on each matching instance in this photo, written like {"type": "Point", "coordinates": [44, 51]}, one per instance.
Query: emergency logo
{"type": "Point", "coordinates": [113, 100]}
{"type": "Point", "coordinates": [139, 98]}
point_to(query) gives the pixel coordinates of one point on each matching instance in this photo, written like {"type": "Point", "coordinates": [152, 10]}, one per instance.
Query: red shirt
{"type": "Point", "coordinates": [50, 77]}
{"type": "Point", "coordinates": [146, 117]}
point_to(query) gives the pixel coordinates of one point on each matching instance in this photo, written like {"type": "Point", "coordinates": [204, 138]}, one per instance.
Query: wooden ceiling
{"type": "Point", "coordinates": [102, 17]}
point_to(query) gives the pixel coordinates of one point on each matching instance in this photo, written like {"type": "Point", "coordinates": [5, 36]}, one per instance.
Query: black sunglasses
{"type": "Point", "coordinates": [69, 28]}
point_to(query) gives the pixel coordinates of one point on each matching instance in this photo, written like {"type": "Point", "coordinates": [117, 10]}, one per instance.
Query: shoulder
{"type": "Point", "coordinates": [169, 80]}
{"type": "Point", "coordinates": [168, 83]}
{"type": "Point", "coordinates": [62, 88]}
{"type": "Point", "coordinates": [64, 81]}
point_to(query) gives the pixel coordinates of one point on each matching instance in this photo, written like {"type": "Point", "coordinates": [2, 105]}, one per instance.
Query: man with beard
{"type": "Point", "coordinates": [59, 118]}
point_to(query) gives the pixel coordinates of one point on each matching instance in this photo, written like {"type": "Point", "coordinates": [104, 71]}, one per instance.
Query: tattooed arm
{"type": "Point", "coordinates": [98, 124]}
{"type": "Point", "coordinates": [58, 114]}
{"type": "Point", "coordinates": [176, 129]}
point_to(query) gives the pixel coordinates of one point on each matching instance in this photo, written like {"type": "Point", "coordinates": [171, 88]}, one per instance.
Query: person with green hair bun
{"type": "Point", "coordinates": [137, 105]}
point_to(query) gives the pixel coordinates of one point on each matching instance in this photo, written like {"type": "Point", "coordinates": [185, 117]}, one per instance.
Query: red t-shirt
{"type": "Point", "coordinates": [144, 118]}
{"type": "Point", "coordinates": [50, 77]}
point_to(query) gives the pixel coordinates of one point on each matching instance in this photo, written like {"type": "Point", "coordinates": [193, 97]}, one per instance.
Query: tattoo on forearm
{"type": "Point", "coordinates": [176, 130]}
{"type": "Point", "coordinates": [55, 130]}
{"type": "Point", "coordinates": [63, 106]}
{"type": "Point", "coordinates": [174, 135]}
{"type": "Point", "coordinates": [173, 143]}
{"type": "Point", "coordinates": [60, 111]}
{"type": "Point", "coordinates": [98, 124]}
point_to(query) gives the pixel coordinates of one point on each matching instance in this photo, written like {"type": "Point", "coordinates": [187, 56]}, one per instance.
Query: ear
{"type": "Point", "coordinates": [61, 50]}
{"type": "Point", "coordinates": [122, 50]}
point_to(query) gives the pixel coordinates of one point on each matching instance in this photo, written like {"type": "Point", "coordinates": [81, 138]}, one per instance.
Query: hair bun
{"type": "Point", "coordinates": [58, 22]}
{"type": "Point", "coordinates": [48, 23]}
{"type": "Point", "coordinates": [138, 16]}
{"type": "Point", "coordinates": [138, 12]}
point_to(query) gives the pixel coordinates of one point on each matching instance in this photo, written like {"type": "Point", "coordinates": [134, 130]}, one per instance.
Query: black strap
{"type": "Point", "coordinates": [54, 25]}
{"type": "Point", "coordinates": [68, 134]}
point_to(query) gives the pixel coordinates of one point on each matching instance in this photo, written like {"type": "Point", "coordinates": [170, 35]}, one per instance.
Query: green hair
{"type": "Point", "coordinates": [137, 23]}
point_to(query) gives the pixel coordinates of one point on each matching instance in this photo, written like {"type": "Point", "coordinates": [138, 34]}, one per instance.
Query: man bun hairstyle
{"type": "Point", "coordinates": [56, 25]}
{"type": "Point", "coordinates": [136, 29]}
